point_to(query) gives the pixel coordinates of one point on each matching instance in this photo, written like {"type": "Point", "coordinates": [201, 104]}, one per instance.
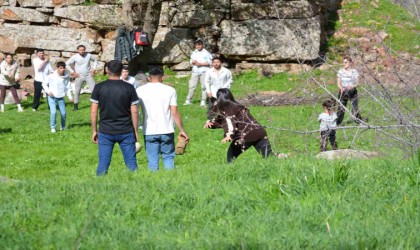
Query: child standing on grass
{"type": "Point", "coordinates": [240, 127]}
{"type": "Point", "coordinates": [328, 124]}
{"type": "Point", "coordinates": [56, 86]}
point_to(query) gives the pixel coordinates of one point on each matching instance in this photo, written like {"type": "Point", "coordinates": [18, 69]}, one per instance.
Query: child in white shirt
{"type": "Point", "coordinates": [328, 124]}
{"type": "Point", "coordinates": [57, 85]}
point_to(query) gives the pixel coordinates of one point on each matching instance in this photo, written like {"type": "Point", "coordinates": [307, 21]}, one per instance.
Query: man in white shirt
{"type": "Point", "coordinates": [201, 61]}
{"type": "Point", "coordinates": [57, 85]}
{"type": "Point", "coordinates": [82, 72]}
{"type": "Point", "coordinates": [217, 77]}
{"type": "Point", "coordinates": [159, 107]}
{"type": "Point", "coordinates": [126, 78]}
{"type": "Point", "coordinates": [42, 68]}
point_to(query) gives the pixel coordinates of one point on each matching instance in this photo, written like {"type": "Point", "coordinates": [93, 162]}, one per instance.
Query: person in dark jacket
{"type": "Point", "coordinates": [240, 127]}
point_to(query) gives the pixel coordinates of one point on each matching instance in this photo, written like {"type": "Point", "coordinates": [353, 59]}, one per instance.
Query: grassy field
{"type": "Point", "coordinates": [52, 199]}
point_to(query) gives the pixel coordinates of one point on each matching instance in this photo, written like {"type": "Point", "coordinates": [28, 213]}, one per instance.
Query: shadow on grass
{"type": "Point", "coordinates": [5, 130]}
{"type": "Point", "coordinates": [78, 125]}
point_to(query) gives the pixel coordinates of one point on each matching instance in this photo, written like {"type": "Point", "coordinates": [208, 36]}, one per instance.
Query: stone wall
{"type": "Point", "coordinates": [262, 31]}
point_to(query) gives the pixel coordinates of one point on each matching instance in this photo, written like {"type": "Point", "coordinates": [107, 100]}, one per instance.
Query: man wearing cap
{"type": "Point", "coordinates": [201, 61]}
{"type": "Point", "coordinates": [160, 112]}
{"type": "Point", "coordinates": [117, 102]}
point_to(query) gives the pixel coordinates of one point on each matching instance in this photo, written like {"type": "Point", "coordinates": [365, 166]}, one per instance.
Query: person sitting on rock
{"type": "Point", "coordinates": [328, 124]}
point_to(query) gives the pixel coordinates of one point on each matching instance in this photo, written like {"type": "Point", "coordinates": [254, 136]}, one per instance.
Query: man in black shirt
{"type": "Point", "coordinates": [117, 101]}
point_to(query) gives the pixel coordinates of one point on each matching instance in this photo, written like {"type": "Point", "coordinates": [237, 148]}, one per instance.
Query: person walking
{"type": "Point", "coordinates": [57, 85]}
{"type": "Point", "coordinates": [117, 102]}
{"type": "Point", "coordinates": [201, 61]}
{"type": "Point", "coordinates": [83, 72]}
{"type": "Point", "coordinates": [347, 81]}
{"type": "Point", "coordinates": [328, 124]}
{"type": "Point", "coordinates": [217, 77]}
{"type": "Point", "coordinates": [42, 68]}
{"type": "Point", "coordinates": [241, 128]}
{"type": "Point", "coordinates": [159, 107]}
{"type": "Point", "coordinates": [9, 78]}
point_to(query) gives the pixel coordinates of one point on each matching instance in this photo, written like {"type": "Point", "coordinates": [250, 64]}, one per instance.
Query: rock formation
{"type": "Point", "coordinates": [258, 31]}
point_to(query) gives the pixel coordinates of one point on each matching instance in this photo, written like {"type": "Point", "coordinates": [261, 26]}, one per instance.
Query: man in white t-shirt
{"type": "Point", "coordinates": [217, 77]}
{"type": "Point", "coordinates": [82, 71]}
{"type": "Point", "coordinates": [159, 107]}
{"type": "Point", "coordinates": [126, 78]}
{"type": "Point", "coordinates": [201, 61]}
{"type": "Point", "coordinates": [42, 68]}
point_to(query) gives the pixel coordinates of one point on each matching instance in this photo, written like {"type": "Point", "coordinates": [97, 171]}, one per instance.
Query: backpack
{"type": "Point", "coordinates": [141, 38]}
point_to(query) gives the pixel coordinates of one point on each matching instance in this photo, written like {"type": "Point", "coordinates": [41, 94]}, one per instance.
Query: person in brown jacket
{"type": "Point", "coordinates": [240, 127]}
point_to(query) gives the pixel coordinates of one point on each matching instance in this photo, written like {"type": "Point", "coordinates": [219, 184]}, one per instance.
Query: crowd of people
{"type": "Point", "coordinates": [117, 101]}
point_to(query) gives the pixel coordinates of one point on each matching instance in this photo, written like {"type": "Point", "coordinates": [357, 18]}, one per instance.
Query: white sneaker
{"type": "Point", "coordinates": [202, 104]}
{"type": "Point", "coordinates": [282, 155]}
{"type": "Point", "coordinates": [63, 128]}
{"type": "Point", "coordinates": [20, 110]}
{"type": "Point", "coordinates": [2, 111]}
{"type": "Point", "coordinates": [53, 130]}
{"type": "Point", "coordinates": [187, 102]}
{"type": "Point", "coordinates": [34, 110]}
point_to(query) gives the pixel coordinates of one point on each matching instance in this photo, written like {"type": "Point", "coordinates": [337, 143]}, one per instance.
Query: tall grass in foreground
{"type": "Point", "coordinates": [53, 200]}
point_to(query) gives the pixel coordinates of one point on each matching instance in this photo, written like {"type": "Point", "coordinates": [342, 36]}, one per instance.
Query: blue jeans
{"type": "Point", "coordinates": [163, 144]}
{"type": "Point", "coordinates": [52, 102]}
{"type": "Point", "coordinates": [106, 144]}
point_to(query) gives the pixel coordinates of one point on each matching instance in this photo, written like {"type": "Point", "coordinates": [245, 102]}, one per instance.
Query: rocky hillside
{"type": "Point", "coordinates": [242, 30]}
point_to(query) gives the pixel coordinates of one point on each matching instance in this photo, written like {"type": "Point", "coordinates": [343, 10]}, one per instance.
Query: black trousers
{"type": "Point", "coordinates": [328, 135]}
{"type": "Point", "coordinates": [235, 149]}
{"type": "Point", "coordinates": [37, 94]}
{"type": "Point", "coordinates": [350, 95]}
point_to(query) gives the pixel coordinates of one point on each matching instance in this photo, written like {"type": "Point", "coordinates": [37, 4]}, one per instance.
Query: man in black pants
{"type": "Point", "coordinates": [42, 67]}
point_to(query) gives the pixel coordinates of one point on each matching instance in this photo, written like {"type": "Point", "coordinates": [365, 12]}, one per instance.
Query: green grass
{"type": "Point", "coordinates": [402, 27]}
{"type": "Point", "coordinates": [55, 200]}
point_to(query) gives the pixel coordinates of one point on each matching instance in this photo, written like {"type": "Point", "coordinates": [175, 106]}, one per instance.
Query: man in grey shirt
{"type": "Point", "coordinates": [82, 71]}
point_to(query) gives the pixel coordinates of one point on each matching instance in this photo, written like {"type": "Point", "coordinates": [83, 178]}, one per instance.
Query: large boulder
{"type": "Point", "coordinates": [347, 154]}
{"type": "Point", "coordinates": [51, 38]}
{"type": "Point", "coordinates": [98, 15]}
{"type": "Point", "coordinates": [108, 50]}
{"type": "Point", "coordinates": [190, 16]}
{"type": "Point", "coordinates": [23, 14]}
{"type": "Point", "coordinates": [271, 40]}
{"type": "Point", "coordinates": [272, 9]}
{"type": "Point", "coordinates": [170, 46]}
{"type": "Point", "coordinates": [48, 3]}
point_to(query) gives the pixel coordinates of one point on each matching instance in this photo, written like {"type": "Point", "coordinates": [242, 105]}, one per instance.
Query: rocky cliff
{"type": "Point", "coordinates": [261, 31]}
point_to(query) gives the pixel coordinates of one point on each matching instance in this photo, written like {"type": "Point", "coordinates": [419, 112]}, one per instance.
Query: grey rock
{"type": "Point", "coordinates": [347, 154]}
{"type": "Point", "coordinates": [45, 10]}
{"type": "Point", "coordinates": [271, 40]}
{"type": "Point", "coordinates": [193, 16]}
{"type": "Point", "coordinates": [23, 14]}
{"type": "Point", "coordinates": [48, 3]}
{"type": "Point", "coordinates": [169, 46]}
{"type": "Point", "coordinates": [108, 49]}
{"type": "Point", "coordinates": [272, 9]}
{"type": "Point", "coordinates": [103, 16]}
{"type": "Point", "coordinates": [14, 36]}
